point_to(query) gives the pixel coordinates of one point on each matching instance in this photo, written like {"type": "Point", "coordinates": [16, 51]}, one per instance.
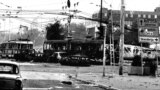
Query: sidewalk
{"type": "Point", "coordinates": [117, 82]}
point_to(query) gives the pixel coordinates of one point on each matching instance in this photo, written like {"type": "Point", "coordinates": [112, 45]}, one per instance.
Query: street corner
{"type": "Point", "coordinates": [95, 80]}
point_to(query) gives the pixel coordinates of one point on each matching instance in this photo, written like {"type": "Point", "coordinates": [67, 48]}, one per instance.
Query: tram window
{"type": "Point", "coordinates": [52, 46]}
{"type": "Point", "coordinates": [44, 46]}
{"type": "Point", "coordinates": [64, 48]}
{"type": "Point", "coordinates": [7, 46]}
{"type": "Point", "coordinates": [47, 46]}
{"type": "Point", "coordinates": [9, 51]}
{"type": "Point", "coordinates": [14, 46]}
{"type": "Point", "coordinates": [22, 46]}
{"type": "Point", "coordinates": [19, 46]}
{"type": "Point", "coordinates": [6, 51]}
{"type": "Point", "coordinates": [15, 51]}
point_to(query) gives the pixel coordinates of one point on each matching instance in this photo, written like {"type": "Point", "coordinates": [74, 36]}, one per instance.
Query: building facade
{"type": "Point", "coordinates": [147, 20]}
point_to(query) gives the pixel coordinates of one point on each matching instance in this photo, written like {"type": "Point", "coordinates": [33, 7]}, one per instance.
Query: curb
{"type": "Point", "coordinates": [97, 84]}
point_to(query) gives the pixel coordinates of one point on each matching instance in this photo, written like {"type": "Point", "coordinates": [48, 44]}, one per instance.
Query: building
{"type": "Point", "coordinates": [147, 20]}
{"type": "Point", "coordinates": [92, 27]}
{"type": "Point", "coordinates": [130, 16]}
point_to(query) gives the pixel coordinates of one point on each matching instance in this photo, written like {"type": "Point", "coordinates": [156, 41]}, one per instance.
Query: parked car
{"type": "Point", "coordinates": [56, 56]}
{"type": "Point", "coordinates": [75, 60]}
{"type": "Point", "coordinates": [10, 77]}
{"type": "Point", "coordinates": [39, 57]}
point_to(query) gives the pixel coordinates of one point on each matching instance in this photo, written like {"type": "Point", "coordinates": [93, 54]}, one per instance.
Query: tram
{"type": "Point", "coordinates": [92, 49]}
{"type": "Point", "coordinates": [14, 48]}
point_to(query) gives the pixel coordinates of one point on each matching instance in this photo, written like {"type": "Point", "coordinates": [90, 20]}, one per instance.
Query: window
{"type": "Point", "coordinates": [126, 15]}
{"type": "Point", "coordinates": [139, 15]}
{"type": "Point", "coordinates": [149, 16]}
{"type": "Point", "coordinates": [144, 16]}
{"type": "Point", "coordinates": [155, 16]}
{"type": "Point", "coordinates": [132, 15]}
{"type": "Point", "coordinates": [8, 69]}
{"type": "Point", "coordinates": [105, 14]}
{"type": "Point", "coordinates": [128, 23]}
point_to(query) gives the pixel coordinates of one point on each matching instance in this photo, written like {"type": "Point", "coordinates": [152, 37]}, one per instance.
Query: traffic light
{"type": "Point", "coordinates": [101, 32]}
{"type": "Point", "coordinates": [109, 18]}
{"type": "Point", "coordinates": [68, 4]}
{"type": "Point", "coordinates": [109, 13]}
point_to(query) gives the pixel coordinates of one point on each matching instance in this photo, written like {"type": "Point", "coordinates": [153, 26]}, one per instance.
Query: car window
{"type": "Point", "coordinates": [8, 69]}
{"type": "Point", "coordinates": [63, 54]}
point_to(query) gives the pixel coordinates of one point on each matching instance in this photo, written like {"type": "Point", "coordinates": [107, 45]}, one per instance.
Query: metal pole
{"type": "Point", "coordinates": [101, 13]}
{"type": "Point", "coordinates": [110, 51]}
{"type": "Point", "coordinates": [121, 46]}
{"type": "Point", "coordinates": [9, 28]}
{"type": "Point", "coordinates": [68, 30]}
{"type": "Point", "coordinates": [142, 61]}
{"type": "Point", "coordinates": [157, 58]}
{"type": "Point", "coordinates": [112, 36]}
{"type": "Point", "coordinates": [104, 51]}
{"type": "Point", "coordinates": [104, 42]}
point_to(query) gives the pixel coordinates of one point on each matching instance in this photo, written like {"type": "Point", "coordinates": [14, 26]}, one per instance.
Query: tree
{"type": "Point", "coordinates": [55, 31]}
{"type": "Point", "coordinates": [78, 31]}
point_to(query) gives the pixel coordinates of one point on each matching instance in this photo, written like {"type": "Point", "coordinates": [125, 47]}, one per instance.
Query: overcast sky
{"type": "Point", "coordinates": [88, 6]}
{"type": "Point", "coordinates": [84, 5]}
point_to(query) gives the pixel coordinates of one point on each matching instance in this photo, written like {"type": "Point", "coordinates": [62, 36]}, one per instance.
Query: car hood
{"type": "Point", "coordinates": [9, 76]}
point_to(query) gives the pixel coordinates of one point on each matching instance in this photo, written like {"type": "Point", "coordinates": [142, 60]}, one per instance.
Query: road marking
{"type": "Point", "coordinates": [58, 87]}
{"type": "Point", "coordinates": [37, 88]}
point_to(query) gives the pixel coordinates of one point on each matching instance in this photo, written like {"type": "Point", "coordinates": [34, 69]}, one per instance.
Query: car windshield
{"type": "Point", "coordinates": [8, 69]}
{"type": "Point", "coordinates": [63, 54]}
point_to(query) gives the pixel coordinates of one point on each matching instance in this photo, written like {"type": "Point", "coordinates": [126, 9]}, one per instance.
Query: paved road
{"type": "Point", "coordinates": [42, 76]}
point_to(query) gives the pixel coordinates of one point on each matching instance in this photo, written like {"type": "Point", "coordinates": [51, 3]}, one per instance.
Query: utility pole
{"type": "Point", "coordinates": [104, 42]}
{"type": "Point", "coordinates": [101, 13]}
{"type": "Point", "coordinates": [121, 44]}
{"type": "Point", "coordinates": [104, 51]}
{"type": "Point", "coordinates": [69, 20]}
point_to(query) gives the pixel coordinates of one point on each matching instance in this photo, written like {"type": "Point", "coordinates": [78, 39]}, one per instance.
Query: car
{"type": "Point", "coordinates": [10, 77]}
{"type": "Point", "coordinates": [56, 56]}
{"type": "Point", "coordinates": [75, 60]}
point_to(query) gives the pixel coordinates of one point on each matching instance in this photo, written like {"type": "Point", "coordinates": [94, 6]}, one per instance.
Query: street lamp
{"type": "Point", "coordinates": [121, 45]}
{"type": "Point", "coordinates": [68, 32]}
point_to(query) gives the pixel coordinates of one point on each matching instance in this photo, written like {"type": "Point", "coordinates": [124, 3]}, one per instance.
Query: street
{"type": "Point", "coordinates": [45, 76]}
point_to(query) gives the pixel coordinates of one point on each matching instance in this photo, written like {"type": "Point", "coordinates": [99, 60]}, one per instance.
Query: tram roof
{"type": "Point", "coordinates": [20, 42]}
{"type": "Point", "coordinates": [55, 41]}
{"type": "Point", "coordinates": [74, 41]}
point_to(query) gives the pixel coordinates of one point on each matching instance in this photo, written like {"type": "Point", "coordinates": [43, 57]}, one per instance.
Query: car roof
{"type": "Point", "coordinates": [79, 55]}
{"type": "Point", "coordinates": [8, 62]}
{"type": "Point", "coordinates": [60, 52]}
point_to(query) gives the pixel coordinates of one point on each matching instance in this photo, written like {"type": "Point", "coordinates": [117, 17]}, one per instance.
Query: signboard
{"type": "Point", "coordinates": [148, 31]}
{"type": "Point", "coordinates": [148, 22]}
{"type": "Point", "coordinates": [149, 39]}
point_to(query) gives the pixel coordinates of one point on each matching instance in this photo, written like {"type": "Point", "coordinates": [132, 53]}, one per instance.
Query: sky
{"type": "Point", "coordinates": [87, 6]}
{"type": "Point", "coordinates": [84, 5]}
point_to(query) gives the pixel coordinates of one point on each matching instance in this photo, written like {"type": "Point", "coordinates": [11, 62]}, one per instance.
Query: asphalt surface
{"type": "Point", "coordinates": [45, 76]}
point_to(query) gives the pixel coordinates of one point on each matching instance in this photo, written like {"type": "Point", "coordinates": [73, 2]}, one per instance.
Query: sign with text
{"type": "Point", "coordinates": [148, 22]}
{"type": "Point", "coordinates": [149, 39]}
{"type": "Point", "coordinates": [148, 31]}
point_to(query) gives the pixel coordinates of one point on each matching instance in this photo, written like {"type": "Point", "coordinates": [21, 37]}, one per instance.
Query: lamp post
{"type": "Point", "coordinates": [104, 40]}
{"type": "Point", "coordinates": [69, 31]}
{"type": "Point", "coordinates": [121, 45]}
